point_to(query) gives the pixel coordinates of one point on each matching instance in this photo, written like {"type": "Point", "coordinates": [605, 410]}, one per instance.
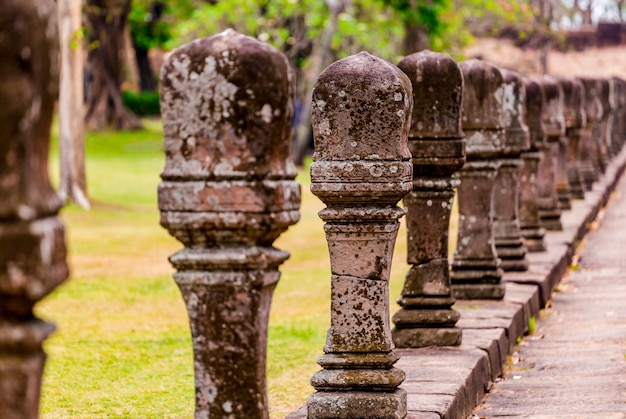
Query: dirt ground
{"type": "Point", "coordinates": [593, 62]}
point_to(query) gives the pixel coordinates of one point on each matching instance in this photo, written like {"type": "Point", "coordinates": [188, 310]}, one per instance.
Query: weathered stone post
{"type": "Point", "coordinates": [227, 193]}
{"type": "Point", "coordinates": [619, 101]}
{"type": "Point", "coordinates": [438, 150]}
{"type": "Point", "coordinates": [362, 168]}
{"type": "Point", "coordinates": [508, 237]}
{"type": "Point", "coordinates": [605, 124]}
{"type": "Point", "coordinates": [32, 238]}
{"type": "Point", "coordinates": [588, 144]}
{"type": "Point", "coordinates": [552, 173]}
{"type": "Point", "coordinates": [532, 231]}
{"type": "Point", "coordinates": [476, 271]}
{"type": "Point", "coordinates": [575, 121]}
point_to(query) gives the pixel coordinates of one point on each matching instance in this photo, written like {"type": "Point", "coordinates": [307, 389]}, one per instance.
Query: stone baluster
{"type": "Point", "coordinates": [617, 129]}
{"type": "Point", "coordinates": [552, 184]}
{"type": "Point", "coordinates": [227, 193]}
{"type": "Point", "coordinates": [604, 125]}
{"type": "Point", "coordinates": [438, 150]}
{"type": "Point", "coordinates": [530, 224]}
{"type": "Point", "coordinates": [575, 121]}
{"type": "Point", "coordinates": [361, 115]}
{"type": "Point", "coordinates": [588, 145]}
{"type": "Point", "coordinates": [476, 271]}
{"type": "Point", "coordinates": [508, 237]}
{"type": "Point", "coordinates": [32, 238]}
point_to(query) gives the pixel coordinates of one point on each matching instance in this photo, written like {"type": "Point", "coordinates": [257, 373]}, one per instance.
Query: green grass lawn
{"type": "Point", "coordinates": [123, 347]}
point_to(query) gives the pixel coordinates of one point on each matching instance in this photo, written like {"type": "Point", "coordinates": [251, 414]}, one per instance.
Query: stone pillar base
{"type": "Point", "coordinates": [480, 291]}
{"type": "Point", "coordinates": [420, 337]}
{"type": "Point", "coordinates": [533, 238]}
{"type": "Point", "coordinates": [512, 253]}
{"type": "Point", "coordinates": [576, 184]}
{"type": "Point", "coordinates": [564, 197]}
{"type": "Point", "coordinates": [550, 219]}
{"type": "Point", "coordinates": [514, 265]}
{"type": "Point", "coordinates": [357, 405]}
{"type": "Point", "coordinates": [588, 173]}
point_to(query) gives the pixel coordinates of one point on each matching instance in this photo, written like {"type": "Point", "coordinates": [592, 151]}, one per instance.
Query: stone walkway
{"type": "Point", "coordinates": [574, 364]}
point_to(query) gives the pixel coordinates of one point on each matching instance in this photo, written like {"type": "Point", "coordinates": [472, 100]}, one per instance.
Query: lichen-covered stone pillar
{"type": "Point", "coordinates": [227, 193]}
{"type": "Point", "coordinates": [476, 272]}
{"type": "Point", "coordinates": [32, 238]}
{"type": "Point", "coordinates": [532, 231]}
{"type": "Point", "coordinates": [361, 114]}
{"type": "Point", "coordinates": [508, 237]}
{"type": "Point", "coordinates": [588, 144]}
{"type": "Point", "coordinates": [605, 124]}
{"type": "Point", "coordinates": [575, 121]}
{"type": "Point", "coordinates": [619, 101]}
{"type": "Point", "coordinates": [552, 183]}
{"type": "Point", "coordinates": [438, 150]}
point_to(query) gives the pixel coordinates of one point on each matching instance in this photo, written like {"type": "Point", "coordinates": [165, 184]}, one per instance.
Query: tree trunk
{"type": "Point", "coordinates": [106, 20]}
{"type": "Point", "coordinates": [146, 76]}
{"type": "Point", "coordinates": [303, 127]}
{"type": "Point", "coordinates": [415, 38]}
{"type": "Point", "coordinates": [73, 184]}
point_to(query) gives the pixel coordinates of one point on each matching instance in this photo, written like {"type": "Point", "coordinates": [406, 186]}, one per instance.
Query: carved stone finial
{"type": "Point", "coordinates": [532, 231]}
{"type": "Point", "coordinates": [361, 113]}
{"type": "Point", "coordinates": [438, 150]}
{"type": "Point", "coordinates": [32, 238]}
{"type": "Point", "coordinates": [508, 238]}
{"type": "Point", "coordinates": [227, 193]}
{"type": "Point", "coordinates": [476, 271]}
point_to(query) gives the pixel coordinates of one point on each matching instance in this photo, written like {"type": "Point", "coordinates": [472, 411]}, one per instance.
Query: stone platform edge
{"type": "Point", "coordinates": [450, 382]}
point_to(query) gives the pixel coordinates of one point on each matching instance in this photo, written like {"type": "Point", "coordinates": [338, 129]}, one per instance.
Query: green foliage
{"type": "Point", "coordinates": [426, 14]}
{"type": "Point", "coordinates": [292, 26]}
{"type": "Point", "coordinates": [147, 28]}
{"type": "Point", "coordinates": [142, 103]}
{"type": "Point", "coordinates": [532, 325]}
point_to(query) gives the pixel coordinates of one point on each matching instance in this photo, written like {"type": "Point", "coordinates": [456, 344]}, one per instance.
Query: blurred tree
{"type": "Point", "coordinates": [73, 180]}
{"type": "Point", "coordinates": [422, 21]}
{"type": "Point", "coordinates": [149, 29]}
{"type": "Point", "coordinates": [105, 22]}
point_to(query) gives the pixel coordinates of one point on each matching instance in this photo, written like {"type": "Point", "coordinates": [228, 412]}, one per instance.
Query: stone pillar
{"type": "Point", "coordinates": [438, 149]}
{"type": "Point", "coordinates": [532, 231]}
{"type": "Point", "coordinates": [619, 101]}
{"type": "Point", "coordinates": [227, 193]}
{"type": "Point", "coordinates": [588, 145]}
{"type": "Point", "coordinates": [361, 114]}
{"type": "Point", "coordinates": [476, 272]}
{"type": "Point", "coordinates": [508, 237]}
{"type": "Point", "coordinates": [575, 121]}
{"type": "Point", "coordinates": [552, 184]}
{"type": "Point", "coordinates": [604, 125]}
{"type": "Point", "coordinates": [32, 238]}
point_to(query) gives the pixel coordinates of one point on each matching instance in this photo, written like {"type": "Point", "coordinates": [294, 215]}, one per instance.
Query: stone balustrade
{"type": "Point", "coordinates": [32, 238]}
{"type": "Point", "coordinates": [519, 151]}
{"type": "Point", "coordinates": [552, 185]}
{"type": "Point", "coordinates": [227, 193]}
{"type": "Point", "coordinates": [438, 150]}
{"type": "Point", "coordinates": [530, 224]}
{"type": "Point", "coordinates": [476, 271]}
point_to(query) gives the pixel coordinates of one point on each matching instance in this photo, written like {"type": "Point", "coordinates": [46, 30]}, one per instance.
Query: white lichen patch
{"type": "Point", "coordinates": [266, 113]}
{"type": "Point", "coordinates": [510, 104]}
{"type": "Point", "coordinates": [197, 101]}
